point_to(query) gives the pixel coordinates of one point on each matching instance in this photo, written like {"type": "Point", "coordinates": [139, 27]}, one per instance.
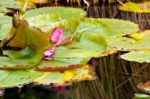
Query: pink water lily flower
{"type": "Point", "coordinates": [55, 37]}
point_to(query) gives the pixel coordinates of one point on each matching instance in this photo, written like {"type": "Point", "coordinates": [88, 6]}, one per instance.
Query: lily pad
{"type": "Point", "coordinates": [14, 4]}
{"type": "Point", "coordinates": [5, 25]}
{"type": "Point", "coordinates": [78, 52]}
{"type": "Point", "coordinates": [60, 78]}
{"type": "Point", "coordinates": [21, 63]}
{"type": "Point", "coordinates": [108, 28]}
{"type": "Point", "coordinates": [44, 22]}
{"type": "Point", "coordinates": [57, 11]}
{"type": "Point", "coordinates": [34, 2]}
{"type": "Point", "coordinates": [136, 7]}
{"type": "Point", "coordinates": [137, 56]}
{"type": "Point", "coordinates": [17, 78]}
{"type": "Point", "coordinates": [9, 5]}
{"type": "Point", "coordinates": [141, 96]}
{"type": "Point", "coordinates": [136, 41]}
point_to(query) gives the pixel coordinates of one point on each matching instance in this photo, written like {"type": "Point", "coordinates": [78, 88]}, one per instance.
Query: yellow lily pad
{"type": "Point", "coordinates": [136, 7]}
{"type": "Point", "coordinates": [69, 76]}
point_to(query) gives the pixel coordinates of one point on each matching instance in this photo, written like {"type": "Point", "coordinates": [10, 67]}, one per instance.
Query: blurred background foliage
{"type": "Point", "coordinates": [117, 78]}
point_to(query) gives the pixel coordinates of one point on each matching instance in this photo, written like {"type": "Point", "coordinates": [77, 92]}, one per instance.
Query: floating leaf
{"type": "Point", "coordinates": [109, 28]}
{"type": "Point", "coordinates": [3, 74]}
{"type": "Point", "coordinates": [57, 11]}
{"type": "Point", "coordinates": [17, 78]}
{"type": "Point", "coordinates": [137, 56]}
{"type": "Point", "coordinates": [76, 53]}
{"type": "Point", "coordinates": [34, 2]}
{"type": "Point", "coordinates": [21, 63]}
{"type": "Point", "coordinates": [5, 25]}
{"type": "Point", "coordinates": [141, 96]}
{"type": "Point", "coordinates": [44, 22]}
{"type": "Point", "coordinates": [136, 7]}
{"type": "Point", "coordinates": [14, 4]}
{"type": "Point", "coordinates": [9, 5]}
{"type": "Point", "coordinates": [131, 42]}
{"type": "Point", "coordinates": [58, 78]}
{"type": "Point", "coordinates": [51, 77]}
{"type": "Point", "coordinates": [66, 59]}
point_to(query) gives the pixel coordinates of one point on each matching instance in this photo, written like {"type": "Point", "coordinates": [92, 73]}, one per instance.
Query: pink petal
{"type": "Point", "coordinates": [48, 53]}
{"type": "Point", "coordinates": [47, 58]}
{"type": "Point", "coordinates": [57, 35]}
{"type": "Point", "coordinates": [51, 49]}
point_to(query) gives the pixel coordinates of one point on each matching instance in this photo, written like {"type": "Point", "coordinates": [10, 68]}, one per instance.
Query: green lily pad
{"type": "Point", "coordinates": [78, 52]}
{"type": "Point", "coordinates": [14, 4]}
{"type": "Point", "coordinates": [108, 28]}
{"type": "Point", "coordinates": [9, 5]}
{"type": "Point", "coordinates": [57, 12]}
{"type": "Point", "coordinates": [21, 63]}
{"type": "Point", "coordinates": [136, 7]}
{"type": "Point", "coordinates": [137, 56]}
{"type": "Point", "coordinates": [141, 96]}
{"type": "Point", "coordinates": [17, 78]}
{"type": "Point", "coordinates": [5, 25]}
{"type": "Point", "coordinates": [136, 41]}
{"type": "Point", "coordinates": [67, 65]}
{"type": "Point", "coordinates": [44, 22]}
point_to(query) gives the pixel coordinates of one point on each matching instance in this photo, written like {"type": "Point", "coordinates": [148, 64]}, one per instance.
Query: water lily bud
{"type": "Point", "coordinates": [57, 35]}
{"type": "Point", "coordinates": [48, 53]}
